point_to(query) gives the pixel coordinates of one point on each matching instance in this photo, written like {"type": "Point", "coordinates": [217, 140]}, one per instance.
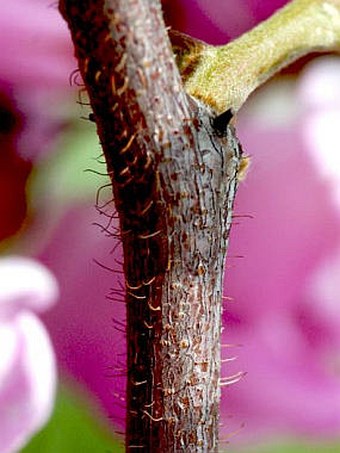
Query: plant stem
{"type": "Point", "coordinates": [174, 175]}
{"type": "Point", "coordinates": [226, 75]}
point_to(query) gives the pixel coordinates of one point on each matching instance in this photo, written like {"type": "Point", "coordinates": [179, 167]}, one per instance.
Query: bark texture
{"type": "Point", "coordinates": [174, 168]}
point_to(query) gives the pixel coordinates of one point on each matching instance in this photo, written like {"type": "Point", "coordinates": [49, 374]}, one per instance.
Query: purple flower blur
{"type": "Point", "coordinates": [27, 364]}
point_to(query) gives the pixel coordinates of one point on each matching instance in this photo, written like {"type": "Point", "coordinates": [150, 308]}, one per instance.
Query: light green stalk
{"type": "Point", "coordinates": [224, 76]}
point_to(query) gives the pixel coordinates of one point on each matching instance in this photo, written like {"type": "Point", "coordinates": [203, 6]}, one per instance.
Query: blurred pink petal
{"type": "Point", "coordinates": [288, 388]}
{"type": "Point", "coordinates": [290, 342]}
{"type": "Point", "coordinates": [323, 291]}
{"type": "Point", "coordinates": [35, 47]}
{"type": "Point", "coordinates": [27, 365]}
{"type": "Point", "coordinates": [25, 286]}
{"type": "Point", "coordinates": [36, 62]}
{"type": "Point", "coordinates": [218, 21]}
{"type": "Point", "coordinates": [319, 84]}
{"type": "Point", "coordinates": [320, 95]}
{"type": "Point", "coordinates": [221, 12]}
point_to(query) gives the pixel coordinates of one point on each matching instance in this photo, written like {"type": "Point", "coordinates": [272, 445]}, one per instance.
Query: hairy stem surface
{"type": "Point", "coordinates": [174, 174]}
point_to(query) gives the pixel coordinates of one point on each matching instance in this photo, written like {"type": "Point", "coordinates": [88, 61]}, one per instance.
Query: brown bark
{"type": "Point", "coordinates": [174, 174]}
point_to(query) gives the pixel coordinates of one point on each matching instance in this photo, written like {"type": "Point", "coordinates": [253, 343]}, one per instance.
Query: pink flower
{"type": "Point", "coordinates": [27, 364]}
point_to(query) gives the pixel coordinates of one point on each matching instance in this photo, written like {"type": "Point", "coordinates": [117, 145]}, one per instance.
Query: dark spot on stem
{"type": "Point", "coordinates": [221, 121]}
